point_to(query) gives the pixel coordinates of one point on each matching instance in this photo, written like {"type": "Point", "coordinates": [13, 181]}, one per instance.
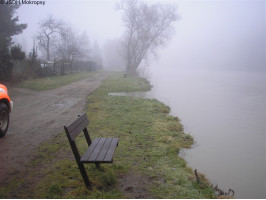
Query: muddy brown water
{"type": "Point", "coordinates": [225, 113]}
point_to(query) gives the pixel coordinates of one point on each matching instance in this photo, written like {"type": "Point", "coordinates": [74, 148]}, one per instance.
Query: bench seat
{"type": "Point", "coordinates": [101, 150]}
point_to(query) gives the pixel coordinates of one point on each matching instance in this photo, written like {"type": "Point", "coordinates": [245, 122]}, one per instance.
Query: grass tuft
{"type": "Point", "coordinates": [54, 191]}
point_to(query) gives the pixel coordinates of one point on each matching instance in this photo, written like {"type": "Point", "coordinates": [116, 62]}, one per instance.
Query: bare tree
{"type": "Point", "coordinates": [50, 28]}
{"type": "Point", "coordinates": [84, 45]}
{"type": "Point", "coordinates": [71, 45]}
{"type": "Point", "coordinates": [148, 27]}
{"type": "Point", "coordinates": [67, 45]}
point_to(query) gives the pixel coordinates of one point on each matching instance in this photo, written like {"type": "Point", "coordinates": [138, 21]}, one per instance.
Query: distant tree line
{"type": "Point", "coordinates": [60, 41]}
{"type": "Point", "coordinates": [61, 47]}
{"type": "Point", "coordinates": [148, 27]}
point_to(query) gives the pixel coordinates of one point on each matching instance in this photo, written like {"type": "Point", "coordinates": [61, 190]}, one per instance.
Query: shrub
{"type": "Point", "coordinates": [17, 53]}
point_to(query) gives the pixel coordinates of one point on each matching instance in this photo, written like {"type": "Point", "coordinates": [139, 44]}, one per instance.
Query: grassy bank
{"type": "Point", "coordinates": [149, 142]}
{"type": "Point", "coordinates": [52, 82]}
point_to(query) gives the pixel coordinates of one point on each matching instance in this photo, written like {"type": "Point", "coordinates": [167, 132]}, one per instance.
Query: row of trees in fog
{"type": "Point", "coordinates": [56, 41]}
{"type": "Point", "coordinates": [147, 28]}
{"type": "Point", "coordinates": [59, 39]}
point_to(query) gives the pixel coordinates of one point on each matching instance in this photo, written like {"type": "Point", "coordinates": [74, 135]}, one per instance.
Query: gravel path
{"type": "Point", "coordinates": [38, 116]}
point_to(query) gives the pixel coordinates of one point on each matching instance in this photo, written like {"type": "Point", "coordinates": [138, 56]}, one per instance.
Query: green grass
{"type": "Point", "coordinates": [52, 82]}
{"type": "Point", "coordinates": [149, 142]}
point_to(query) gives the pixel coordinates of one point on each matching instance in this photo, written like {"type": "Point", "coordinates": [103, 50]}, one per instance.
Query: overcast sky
{"type": "Point", "coordinates": [217, 34]}
{"type": "Point", "coordinates": [98, 18]}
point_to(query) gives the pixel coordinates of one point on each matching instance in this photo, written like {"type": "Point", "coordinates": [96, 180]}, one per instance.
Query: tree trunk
{"type": "Point", "coordinates": [62, 69]}
{"type": "Point", "coordinates": [48, 49]}
{"type": "Point", "coordinates": [71, 66]}
{"type": "Point", "coordinates": [132, 70]}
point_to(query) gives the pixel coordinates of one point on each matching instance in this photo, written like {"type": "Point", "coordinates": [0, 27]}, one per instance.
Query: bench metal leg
{"type": "Point", "coordinates": [84, 176]}
{"type": "Point", "coordinates": [98, 166]}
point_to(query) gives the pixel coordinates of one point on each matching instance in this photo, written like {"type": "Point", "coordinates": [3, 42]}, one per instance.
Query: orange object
{"type": "Point", "coordinates": [6, 106]}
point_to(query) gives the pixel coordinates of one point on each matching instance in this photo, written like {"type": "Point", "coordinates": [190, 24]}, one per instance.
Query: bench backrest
{"type": "Point", "coordinates": [76, 127]}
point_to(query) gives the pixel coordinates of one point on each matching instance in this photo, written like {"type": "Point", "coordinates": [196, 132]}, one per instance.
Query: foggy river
{"type": "Point", "coordinates": [225, 113]}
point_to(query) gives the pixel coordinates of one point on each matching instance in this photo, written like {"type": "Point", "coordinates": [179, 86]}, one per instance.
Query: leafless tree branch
{"type": "Point", "coordinates": [148, 27]}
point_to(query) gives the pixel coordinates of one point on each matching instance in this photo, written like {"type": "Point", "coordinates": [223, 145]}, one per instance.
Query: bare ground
{"type": "Point", "coordinates": [37, 117]}
{"type": "Point", "coordinates": [135, 186]}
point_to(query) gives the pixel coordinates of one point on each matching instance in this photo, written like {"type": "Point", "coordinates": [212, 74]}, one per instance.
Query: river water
{"type": "Point", "coordinates": [223, 109]}
{"type": "Point", "coordinates": [225, 113]}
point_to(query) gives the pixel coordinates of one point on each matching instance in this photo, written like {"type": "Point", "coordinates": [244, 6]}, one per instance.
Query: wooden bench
{"type": "Point", "coordinates": [101, 150]}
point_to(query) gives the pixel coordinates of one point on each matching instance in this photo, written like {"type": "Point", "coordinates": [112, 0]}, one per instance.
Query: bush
{"type": "Point", "coordinates": [5, 66]}
{"type": "Point", "coordinates": [17, 53]}
{"type": "Point", "coordinates": [25, 69]}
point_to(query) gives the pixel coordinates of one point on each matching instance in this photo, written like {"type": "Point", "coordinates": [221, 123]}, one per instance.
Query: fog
{"type": "Point", "coordinates": [98, 19]}
{"type": "Point", "coordinates": [210, 37]}
{"type": "Point", "coordinates": [218, 35]}
{"type": "Point", "coordinates": [210, 34]}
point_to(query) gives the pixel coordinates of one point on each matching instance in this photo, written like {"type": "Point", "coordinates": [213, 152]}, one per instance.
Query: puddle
{"type": "Point", "coordinates": [58, 105]}
{"type": "Point", "coordinates": [138, 94]}
{"type": "Point", "coordinates": [64, 104]}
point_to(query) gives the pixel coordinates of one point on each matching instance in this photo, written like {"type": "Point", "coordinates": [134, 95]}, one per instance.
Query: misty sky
{"type": "Point", "coordinates": [210, 34]}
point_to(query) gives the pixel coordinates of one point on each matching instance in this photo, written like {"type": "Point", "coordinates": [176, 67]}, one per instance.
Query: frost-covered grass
{"type": "Point", "coordinates": [149, 142]}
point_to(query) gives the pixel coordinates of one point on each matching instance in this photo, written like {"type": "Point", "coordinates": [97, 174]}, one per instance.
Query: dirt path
{"type": "Point", "coordinates": [37, 116]}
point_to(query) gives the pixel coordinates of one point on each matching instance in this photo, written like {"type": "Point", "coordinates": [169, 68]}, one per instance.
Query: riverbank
{"type": "Point", "coordinates": [146, 162]}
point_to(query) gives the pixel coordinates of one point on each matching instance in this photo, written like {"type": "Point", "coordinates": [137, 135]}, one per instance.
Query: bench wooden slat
{"type": "Point", "coordinates": [104, 150]}
{"type": "Point", "coordinates": [77, 122]}
{"type": "Point", "coordinates": [111, 150]}
{"type": "Point", "coordinates": [97, 150]}
{"type": "Point", "coordinates": [78, 129]}
{"type": "Point", "coordinates": [90, 150]}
